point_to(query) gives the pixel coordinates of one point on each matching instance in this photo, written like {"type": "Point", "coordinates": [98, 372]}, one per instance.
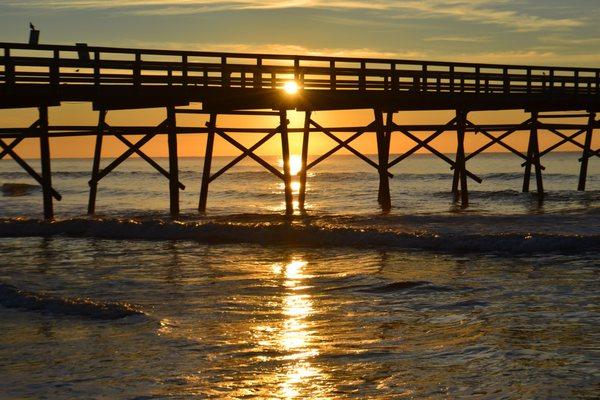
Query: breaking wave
{"type": "Point", "coordinates": [13, 297]}
{"type": "Point", "coordinates": [527, 234]}
{"type": "Point", "coordinates": [18, 189]}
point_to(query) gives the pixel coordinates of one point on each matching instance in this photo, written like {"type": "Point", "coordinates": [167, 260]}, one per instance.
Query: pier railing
{"type": "Point", "coordinates": [57, 65]}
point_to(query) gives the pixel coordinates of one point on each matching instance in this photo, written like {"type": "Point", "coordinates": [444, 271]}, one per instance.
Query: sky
{"type": "Point", "coordinates": [546, 32]}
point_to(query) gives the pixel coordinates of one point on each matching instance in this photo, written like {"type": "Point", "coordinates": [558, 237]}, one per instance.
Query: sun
{"type": "Point", "coordinates": [290, 87]}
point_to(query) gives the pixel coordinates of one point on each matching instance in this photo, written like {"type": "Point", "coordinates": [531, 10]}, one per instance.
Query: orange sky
{"type": "Point", "coordinates": [193, 145]}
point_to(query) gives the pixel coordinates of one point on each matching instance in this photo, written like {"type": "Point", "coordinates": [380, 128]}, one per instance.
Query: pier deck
{"type": "Point", "coordinates": [43, 76]}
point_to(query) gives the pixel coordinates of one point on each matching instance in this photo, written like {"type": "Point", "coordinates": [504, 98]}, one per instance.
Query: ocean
{"type": "Point", "coordinates": [496, 301]}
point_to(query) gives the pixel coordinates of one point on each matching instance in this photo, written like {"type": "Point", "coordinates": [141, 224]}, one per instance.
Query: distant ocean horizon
{"type": "Point", "coordinates": [498, 300]}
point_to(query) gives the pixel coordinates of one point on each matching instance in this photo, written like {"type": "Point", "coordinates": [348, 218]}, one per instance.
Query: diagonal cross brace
{"type": "Point", "coordinates": [27, 168]}
{"type": "Point", "coordinates": [244, 154]}
{"type": "Point", "coordinates": [497, 140]}
{"type": "Point", "coordinates": [348, 147]}
{"type": "Point", "coordinates": [116, 162]}
{"type": "Point", "coordinates": [441, 155]}
{"type": "Point", "coordinates": [421, 143]}
{"type": "Point", "coordinates": [19, 139]}
{"type": "Point", "coordinates": [249, 153]}
{"type": "Point", "coordinates": [592, 154]}
{"type": "Point", "coordinates": [570, 138]}
{"type": "Point", "coordinates": [339, 146]}
{"type": "Point", "coordinates": [150, 161]}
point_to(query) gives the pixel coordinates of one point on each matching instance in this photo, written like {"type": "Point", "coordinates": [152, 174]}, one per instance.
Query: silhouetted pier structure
{"type": "Point", "coordinates": [43, 76]}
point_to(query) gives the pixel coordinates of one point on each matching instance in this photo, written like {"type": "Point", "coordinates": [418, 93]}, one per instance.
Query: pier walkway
{"type": "Point", "coordinates": [43, 76]}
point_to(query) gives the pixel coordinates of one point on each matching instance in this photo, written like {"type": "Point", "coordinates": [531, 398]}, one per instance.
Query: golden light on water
{"type": "Point", "coordinates": [295, 336]}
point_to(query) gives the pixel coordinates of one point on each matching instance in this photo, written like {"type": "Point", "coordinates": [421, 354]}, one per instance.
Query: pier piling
{"type": "Point", "coordinates": [173, 162]}
{"type": "Point", "coordinates": [460, 169]}
{"type": "Point", "coordinates": [210, 140]}
{"type": "Point", "coordinates": [304, 160]}
{"type": "Point", "coordinates": [285, 154]}
{"type": "Point", "coordinates": [586, 152]}
{"type": "Point", "coordinates": [383, 153]}
{"type": "Point", "coordinates": [45, 163]}
{"type": "Point", "coordinates": [533, 158]}
{"type": "Point", "coordinates": [96, 163]}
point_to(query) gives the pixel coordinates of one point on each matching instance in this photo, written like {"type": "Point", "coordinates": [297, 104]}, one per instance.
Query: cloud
{"type": "Point", "coordinates": [523, 57]}
{"type": "Point", "coordinates": [464, 39]}
{"type": "Point", "coordinates": [277, 48]}
{"type": "Point", "coordinates": [497, 12]}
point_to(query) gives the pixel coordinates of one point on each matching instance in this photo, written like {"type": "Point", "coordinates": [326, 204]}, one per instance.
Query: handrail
{"type": "Point", "coordinates": [337, 73]}
{"type": "Point", "coordinates": [196, 53]}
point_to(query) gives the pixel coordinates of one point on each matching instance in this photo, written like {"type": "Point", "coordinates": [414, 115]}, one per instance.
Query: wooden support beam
{"type": "Point", "coordinates": [173, 162]}
{"type": "Point", "coordinates": [23, 164]}
{"type": "Point", "coordinates": [253, 156]}
{"type": "Point", "coordinates": [339, 146]}
{"type": "Point", "coordinates": [45, 163]}
{"type": "Point", "coordinates": [149, 160]}
{"type": "Point", "coordinates": [19, 139]}
{"type": "Point", "coordinates": [96, 163]}
{"type": "Point", "coordinates": [210, 140]}
{"type": "Point", "coordinates": [586, 152]}
{"type": "Point", "coordinates": [244, 154]}
{"type": "Point", "coordinates": [420, 143]}
{"type": "Point", "coordinates": [285, 153]}
{"type": "Point", "coordinates": [499, 141]}
{"type": "Point", "coordinates": [570, 138]}
{"type": "Point", "coordinates": [116, 162]}
{"type": "Point", "coordinates": [347, 146]}
{"type": "Point", "coordinates": [383, 194]}
{"type": "Point", "coordinates": [439, 154]}
{"type": "Point", "coordinates": [460, 171]}
{"type": "Point", "coordinates": [496, 140]}
{"type": "Point", "coordinates": [303, 160]}
{"type": "Point", "coordinates": [533, 158]}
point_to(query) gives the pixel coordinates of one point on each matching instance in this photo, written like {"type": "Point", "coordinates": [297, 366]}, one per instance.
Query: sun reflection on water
{"type": "Point", "coordinates": [295, 336]}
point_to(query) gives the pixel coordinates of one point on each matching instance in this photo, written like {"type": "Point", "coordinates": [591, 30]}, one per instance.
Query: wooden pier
{"type": "Point", "coordinates": [43, 76]}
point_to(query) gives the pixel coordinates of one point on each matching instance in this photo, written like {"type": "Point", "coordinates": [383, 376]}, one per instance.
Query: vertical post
{"type": "Point", "coordinates": [96, 163]}
{"type": "Point", "coordinates": [527, 174]}
{"type": "Point", "coordinates": [537, 159]}
{"type": "Point", "coordinates": [460, 172]}
{"type": "Point", "coordinates": [45, 161]}
{"type": "Point", "coordinates": [285, 153]}
{"type": "Point", "coordinates": [383, 194]}
{"type": "Point", "coordinates": [533, 158]}
{"type": "Point", "coordinates": [304, 158]}
{"type": "Point", "coordinates": [210, 140]}
{"type": "Point", "coordinates": [586, 152]}
{"type": "Point", "coordinates": [173, 162]}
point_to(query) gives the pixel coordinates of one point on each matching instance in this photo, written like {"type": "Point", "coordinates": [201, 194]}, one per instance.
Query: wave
{"type": "Point", "coordinates": [444, 234]}
{"type": "Point", "coordinates": [406, 286]}
{"type": "Point", "coordinates": [18, 189]}
{"type": "Point", "coordinates": [13, 297]}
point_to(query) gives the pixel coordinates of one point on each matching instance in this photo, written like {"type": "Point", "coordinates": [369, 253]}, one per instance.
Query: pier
{"type": "Point", "coordinates": [259, 85]}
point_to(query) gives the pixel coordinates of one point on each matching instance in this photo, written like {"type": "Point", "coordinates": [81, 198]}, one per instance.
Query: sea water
{"type": "Point", "coordinates": [499, 300]}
